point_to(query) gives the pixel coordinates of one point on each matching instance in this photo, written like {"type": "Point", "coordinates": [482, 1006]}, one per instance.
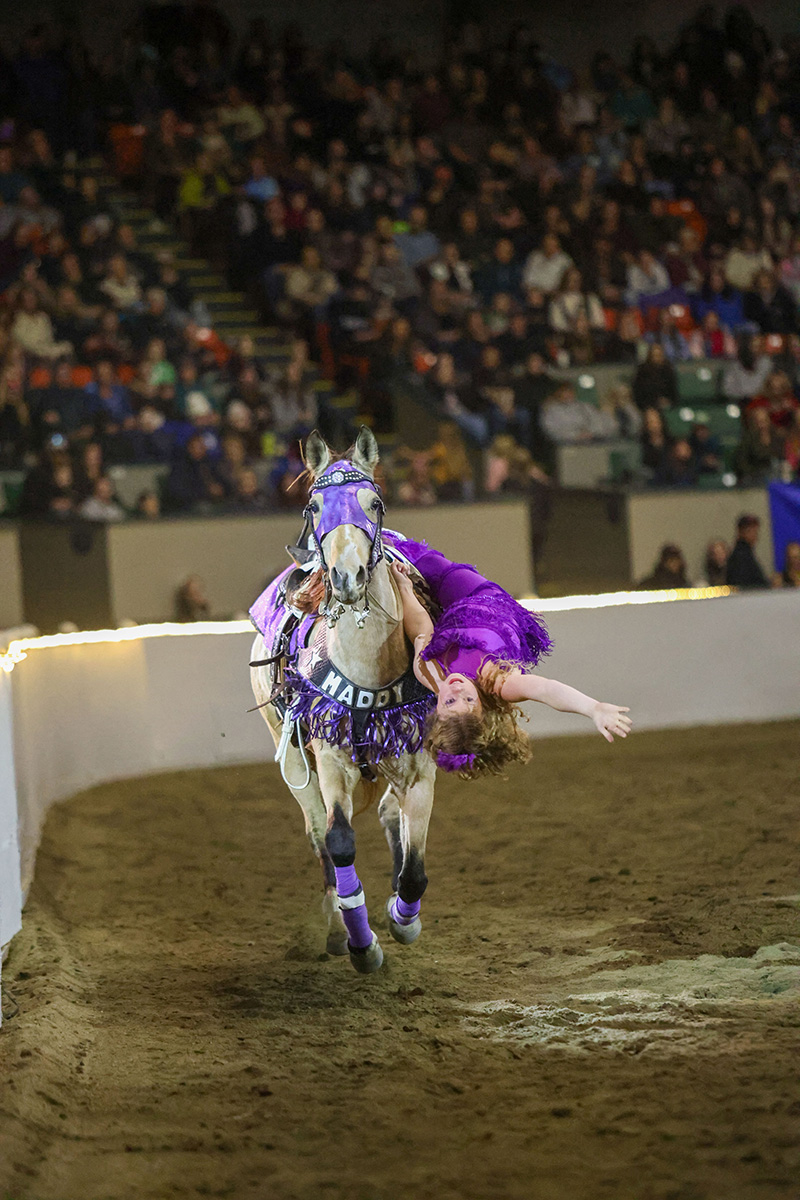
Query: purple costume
{"type": "Point", "coordinates": [479, 622]}
{"type": "Point", "coordinates": [479, 619]}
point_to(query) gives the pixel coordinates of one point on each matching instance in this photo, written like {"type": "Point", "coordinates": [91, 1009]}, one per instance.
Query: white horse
{"type": "Point", "coordinates": [361, 637]}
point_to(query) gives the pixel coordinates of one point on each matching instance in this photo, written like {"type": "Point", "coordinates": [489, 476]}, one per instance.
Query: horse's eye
{"type": "Point", "coordinates": [376, 504]}
{"type": "Point", "coordinates": [313, 508]}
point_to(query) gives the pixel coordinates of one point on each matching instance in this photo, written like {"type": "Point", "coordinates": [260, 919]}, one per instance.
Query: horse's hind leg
{"type": "Point", "coordinates": [389, 817]}
{"type": "Point", "coordinates": [415, 806]}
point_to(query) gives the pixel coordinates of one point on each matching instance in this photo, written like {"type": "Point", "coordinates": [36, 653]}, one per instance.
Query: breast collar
{"type": "Point", "coordinates": [373, 723]}
{"type": "Point", "coordinates": [330, 681]}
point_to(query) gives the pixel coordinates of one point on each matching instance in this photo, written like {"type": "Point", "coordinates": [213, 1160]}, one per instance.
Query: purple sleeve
{"type": "Point", "coordinates": [448, 581]}
{"type": "Point", "coordinates": [477, 615]}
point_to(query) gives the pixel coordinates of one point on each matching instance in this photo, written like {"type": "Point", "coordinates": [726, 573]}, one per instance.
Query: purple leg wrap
{"type": "Point", "coordinates": [405, 913]}
{"type": "Point", "coordinates": [355, 919]}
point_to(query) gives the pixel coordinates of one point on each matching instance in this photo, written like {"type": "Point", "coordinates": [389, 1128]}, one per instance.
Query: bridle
{"type": "Point", "coordinates": [345, 510]}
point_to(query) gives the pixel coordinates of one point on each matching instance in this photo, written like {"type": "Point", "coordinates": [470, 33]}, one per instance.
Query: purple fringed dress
{"type": "Point", "coordinates": [479, 620]}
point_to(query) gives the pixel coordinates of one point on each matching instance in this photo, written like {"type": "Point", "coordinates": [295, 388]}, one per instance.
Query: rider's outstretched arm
{"type": "Point", "coordinates": [609, 719]}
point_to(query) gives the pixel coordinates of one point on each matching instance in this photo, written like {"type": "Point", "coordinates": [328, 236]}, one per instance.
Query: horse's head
{"type": "Point", "coordinates": [345, 512]}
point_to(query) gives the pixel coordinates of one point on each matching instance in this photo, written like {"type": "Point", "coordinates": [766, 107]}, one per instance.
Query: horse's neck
{"type": "Point", "coordinates": [378, 653]}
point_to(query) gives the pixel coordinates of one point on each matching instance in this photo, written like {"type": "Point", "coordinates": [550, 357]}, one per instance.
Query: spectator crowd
{"type": "Point", "coordinates": [456, 238]}
{"type": "Point", "coordinates": [736, 565]}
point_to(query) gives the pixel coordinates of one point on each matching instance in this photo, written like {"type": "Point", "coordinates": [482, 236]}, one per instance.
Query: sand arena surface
{"type": "Point", "coordinates": [604, 1002]}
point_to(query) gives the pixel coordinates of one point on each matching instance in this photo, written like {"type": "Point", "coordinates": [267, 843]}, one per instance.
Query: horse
{"type": "Point", "coordinates": [357, 636]}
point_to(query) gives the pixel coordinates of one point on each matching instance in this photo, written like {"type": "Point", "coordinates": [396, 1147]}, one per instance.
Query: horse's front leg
{"type": "Point", "coordinates": [338, 779]}
{"type": "Point", "coordinates": [308, 796]}
{"type": "Point", "coordinates": [415, 806]}
{"type": "Point", "coordinates": [310, 800]}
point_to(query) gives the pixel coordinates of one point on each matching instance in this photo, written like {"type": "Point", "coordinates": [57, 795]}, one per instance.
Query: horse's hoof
{"type": "Point", "coordinates": [337, 943]}
{"type": "Point", "coordinates": [404, 934]}
{"type": "Point", "coordinates": [367, 959]}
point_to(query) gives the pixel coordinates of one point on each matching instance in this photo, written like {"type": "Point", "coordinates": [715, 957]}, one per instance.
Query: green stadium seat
{"type": "Point", "coordinates": [11, 483]}
{"type": "Point", "coordinates": [679, 421]}
{"type": "Point", "coordinates": [729, 455]}
{"type": "Point", "coordinates": [698, 382]}
{"type": "Point", "coordinates": [714, 480]}
{"type": "Point", "coordinates": [624, 462]}
{"type": "Point", "coordinates": [721, 423]}
{"type": "Point", "coordinates": [586, 388]}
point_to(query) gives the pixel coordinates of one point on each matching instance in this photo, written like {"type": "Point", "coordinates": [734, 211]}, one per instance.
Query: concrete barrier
{"type": "Point", "coordinates": [97, 576]}
{"type": "Point", "coordinates": [11, 606]}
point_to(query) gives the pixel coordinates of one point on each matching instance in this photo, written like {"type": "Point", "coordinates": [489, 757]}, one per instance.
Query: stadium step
{"type": "Point", "coordinates": [270, 349]}
{"type": "Point", "coordinates": [229, 309]}
{"type": "Point", "coordinates": [207, 283]}
{"type": "Point", "coordinates": [253, 331]}
{"type": "Point", "coordinates": [192, 266]}
{"type": "Point", "coordinates": [225, 317]}
{"type": "Point", "coordinates": [345, 404]}
{"type": "Point", "coordinates": [161, 241]}
{"type": "Point", "coordinates": [136, 216]}
{"type": "Point", "coordinates": [219, 299]}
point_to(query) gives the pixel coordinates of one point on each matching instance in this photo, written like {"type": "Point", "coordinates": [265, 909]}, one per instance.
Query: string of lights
{"type": "Point", "coordinates": [18, 650]}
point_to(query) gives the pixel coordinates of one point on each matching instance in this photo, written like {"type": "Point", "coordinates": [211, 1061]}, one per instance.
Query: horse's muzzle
{"type": "Point", "coordinates": [348, 587]}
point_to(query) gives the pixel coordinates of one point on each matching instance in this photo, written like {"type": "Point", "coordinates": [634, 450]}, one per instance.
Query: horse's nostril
{"type": "Point", "coordinates": [347, 584]}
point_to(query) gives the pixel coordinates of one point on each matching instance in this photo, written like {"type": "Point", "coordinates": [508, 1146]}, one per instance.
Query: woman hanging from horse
{"type": "Point", "coordinates": [477, 659]}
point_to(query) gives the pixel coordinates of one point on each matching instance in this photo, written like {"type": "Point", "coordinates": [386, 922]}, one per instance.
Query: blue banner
{"type": "Point", "coordinates": [784, 503]}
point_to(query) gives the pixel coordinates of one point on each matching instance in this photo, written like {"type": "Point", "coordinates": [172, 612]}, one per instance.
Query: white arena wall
{"type": "Point", "coordinates": [83, 709]}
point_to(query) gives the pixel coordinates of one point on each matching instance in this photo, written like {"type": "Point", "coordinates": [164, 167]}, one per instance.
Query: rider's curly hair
{"type": "Point", "coordinates": [491, 740]}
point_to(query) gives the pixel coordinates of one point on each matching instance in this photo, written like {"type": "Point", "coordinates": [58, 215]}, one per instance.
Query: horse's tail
{"type": "Point", "coordinates": [371, 790]}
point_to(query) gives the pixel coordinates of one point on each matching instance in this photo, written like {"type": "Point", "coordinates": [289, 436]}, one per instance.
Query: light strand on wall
{"type": "Point", "coordinates": [612, 599]}
{"type": "Point", "coordinates": [18, 650]}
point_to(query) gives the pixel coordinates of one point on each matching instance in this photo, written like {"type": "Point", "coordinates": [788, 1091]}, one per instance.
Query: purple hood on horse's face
{"type": "Point", "coordinates": [336, 491]}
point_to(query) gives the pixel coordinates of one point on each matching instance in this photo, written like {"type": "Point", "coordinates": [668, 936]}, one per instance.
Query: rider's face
{"type": "Point", "coordinates": [458, 695]}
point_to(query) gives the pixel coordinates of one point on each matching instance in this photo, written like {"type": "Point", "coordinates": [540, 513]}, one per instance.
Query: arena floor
{"type": "Point", "coordinates": [604, 1001]}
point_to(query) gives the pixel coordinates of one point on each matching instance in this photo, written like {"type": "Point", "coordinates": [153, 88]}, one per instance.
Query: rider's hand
{"type": "Point", "coordinates": [610, 719]}
{"type": "Point", "coordinates": [402, 576]}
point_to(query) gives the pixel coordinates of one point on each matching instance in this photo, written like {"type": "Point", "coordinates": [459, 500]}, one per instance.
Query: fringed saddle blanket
{"type": "Point", "coordinates": [372, 724]}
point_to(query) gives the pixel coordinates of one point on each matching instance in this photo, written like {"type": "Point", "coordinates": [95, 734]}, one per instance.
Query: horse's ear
{"type": "Point", "coordinates": [366, 452]}
{"type": "Point", "coordinates": [317, 453]}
